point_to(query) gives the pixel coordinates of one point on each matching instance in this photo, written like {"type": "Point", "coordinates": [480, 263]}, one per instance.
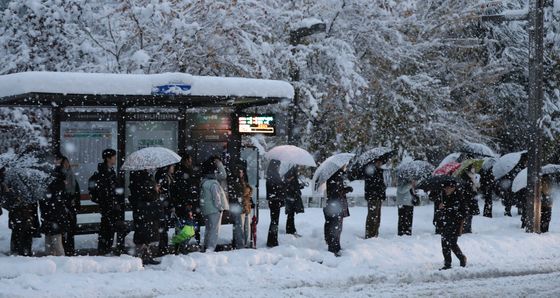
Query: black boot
{"type": "Point", "coordinates": [463, 261]}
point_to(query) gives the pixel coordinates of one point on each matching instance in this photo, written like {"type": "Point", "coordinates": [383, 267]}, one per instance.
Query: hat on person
{"type": "Point", "coordinates": [108, 153]}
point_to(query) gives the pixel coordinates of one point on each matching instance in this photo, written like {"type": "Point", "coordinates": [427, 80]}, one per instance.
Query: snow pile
{"type": "Point", "coordinates": [16, 266]}
{"type": "Point", "coordinates": [502, 259]}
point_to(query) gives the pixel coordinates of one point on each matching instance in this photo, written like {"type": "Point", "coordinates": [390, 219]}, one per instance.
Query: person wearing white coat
{"type": "Point", "coordinates": [406, 200]}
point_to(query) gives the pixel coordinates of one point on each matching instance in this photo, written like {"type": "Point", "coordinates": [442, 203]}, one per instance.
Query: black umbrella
{"type": "Point", "coordinates": [438, 182]}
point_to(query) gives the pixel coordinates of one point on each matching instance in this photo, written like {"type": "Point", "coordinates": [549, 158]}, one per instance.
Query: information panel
{"type": "Point", "coordinates": [83, 142]}
{"type": "Point", "coordinates": [255, 124]}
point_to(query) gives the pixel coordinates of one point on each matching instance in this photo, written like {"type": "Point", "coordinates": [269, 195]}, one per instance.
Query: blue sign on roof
{"type": "Point", "coordinates": [174, 89]}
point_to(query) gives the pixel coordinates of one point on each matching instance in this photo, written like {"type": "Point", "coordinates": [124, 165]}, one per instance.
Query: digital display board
{"type": "Point", "coordinates": [255, 124]}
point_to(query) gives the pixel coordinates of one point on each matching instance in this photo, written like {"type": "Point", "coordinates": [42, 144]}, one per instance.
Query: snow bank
{"type": "Point", "coordinates": [136, 84]}
{"type": "Point", "coordinates": [499, 254]}
{"type": "Point", "coordinates": [17, 266]}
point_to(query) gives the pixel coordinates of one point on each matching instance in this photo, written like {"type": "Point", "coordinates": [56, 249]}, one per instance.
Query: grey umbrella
{"type": "Point", "coordinates": [29, 184]}
{"type": "Point", "coordinates": [414, 170]}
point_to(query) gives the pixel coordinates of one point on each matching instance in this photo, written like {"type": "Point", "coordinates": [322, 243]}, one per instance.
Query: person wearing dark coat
{"type": "Point", "coordinates": [546, 203]}
{"type": "Point", "coordinates": [165, 177]}
{"type": "Point", "coordinates": [293, 203]}
{"type": "Point", "coordinates": [146, 213]}
{"type": "Point", "coordinates": [54, 214]}
{"type": "Point", "coordinates": [236, 188]}
{"type": "Point", "coordinates": [336, 210]}
{"type": "Point", "coordinates": [20, 218]}
{"type": "Point", "coordinates": [469, 194]}
{"type": "Point", "coordinates": [275, 196]}
{"type": "Point", "coordinates": [71, 196]}
{"type": "Point", "coordinates": [375, 194]}
{"type": "Point", "coordinates": [452, 208]}
{"type": "Point", "coordinates": [486, 187]}
{"type": "Point", "coordinates": [111, 204]}
{"type": "Point", "coordinates": [185, 194]}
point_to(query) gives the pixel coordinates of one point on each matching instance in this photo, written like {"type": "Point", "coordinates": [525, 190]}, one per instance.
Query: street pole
{"type": "Point", "coordinates": [533, 199]}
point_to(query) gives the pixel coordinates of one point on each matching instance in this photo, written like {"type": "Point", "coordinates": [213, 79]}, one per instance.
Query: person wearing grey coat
{"type": "Point", "coordinates": [213, 202]}
{"type": "Point", "coordinates": [406, 200]}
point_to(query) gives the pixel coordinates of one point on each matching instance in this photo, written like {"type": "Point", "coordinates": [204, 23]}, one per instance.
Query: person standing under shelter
{"type": "Point", "coordinates": [146, 213]}
{"type": "Point", "coordinates": [71, 196]}
{"type": "Point", "coordinates": [166, 180]}
{"type": "Point", "coordinates": [111, 204]}
{"type": "Point", "coordinates": [54, 214]}
{"type": "Point", "coordinates": [213, 202]}
{"type": "Point", "coordinates": [375, 194]}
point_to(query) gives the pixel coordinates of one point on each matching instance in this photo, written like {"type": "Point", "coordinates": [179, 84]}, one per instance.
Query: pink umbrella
{"type": "Point", "coordinates": [448, 168]}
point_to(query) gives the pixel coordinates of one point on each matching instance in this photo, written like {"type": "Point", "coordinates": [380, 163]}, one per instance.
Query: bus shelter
{"type": "Point", "coordinates": [199, 115]}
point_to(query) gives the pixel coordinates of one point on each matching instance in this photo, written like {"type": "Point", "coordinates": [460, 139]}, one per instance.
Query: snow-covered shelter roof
{"type": "Point", "coordinates": [166, 89]}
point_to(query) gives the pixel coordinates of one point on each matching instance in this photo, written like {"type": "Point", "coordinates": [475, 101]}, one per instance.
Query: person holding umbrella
{"type": "Point", "coordinates": [336, 210]}
{"type": "Point", "coordinates": [275, 194]}
{"type": "Point", "coordinates": [146, 212]}
{"type": "Point", "coordinates": [332, 172]}
{"type": "Point", "coordinates": [375, 193]}
{"type": "Point", "coordinates": [294, 203]}
{"type": "Point", "coordinates": [408, 173]}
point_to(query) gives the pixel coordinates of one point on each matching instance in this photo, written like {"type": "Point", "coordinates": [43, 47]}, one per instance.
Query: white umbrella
{"type": "Point", "coordinates": [291, 155]}
{"type": "Point", "coordinates": [477, 149]}
{"type": "Point", "coordinates": [506, 163]}
{"type": "Point", "coordinates": [329, 167]}
{"type": "Point", "coordinates": [520, 181]}
{"type": "Point", "coordinates": [150, 158]}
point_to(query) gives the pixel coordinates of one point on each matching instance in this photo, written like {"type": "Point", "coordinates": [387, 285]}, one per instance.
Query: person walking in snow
{"type": "Point", "coordinates": [374, 189]}
{"type": "Point", "coordinates": [275, 195]}
{"type": "Point", "coordinates": [406, 200]}
{"type": "Point", "coordinates": [452, 208]}
{"type": "Point", "coordinates": [335, 210]}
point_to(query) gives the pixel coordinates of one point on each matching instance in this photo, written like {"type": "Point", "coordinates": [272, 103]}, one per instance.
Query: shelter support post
{"type": "Point", "coordinates": [56, 113]}
{"type": "Point", "coordinates": [121, 135]}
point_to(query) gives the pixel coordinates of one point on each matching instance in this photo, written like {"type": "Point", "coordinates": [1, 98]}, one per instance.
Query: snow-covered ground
{"type": "Point", "coordinates": [503, 261]}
